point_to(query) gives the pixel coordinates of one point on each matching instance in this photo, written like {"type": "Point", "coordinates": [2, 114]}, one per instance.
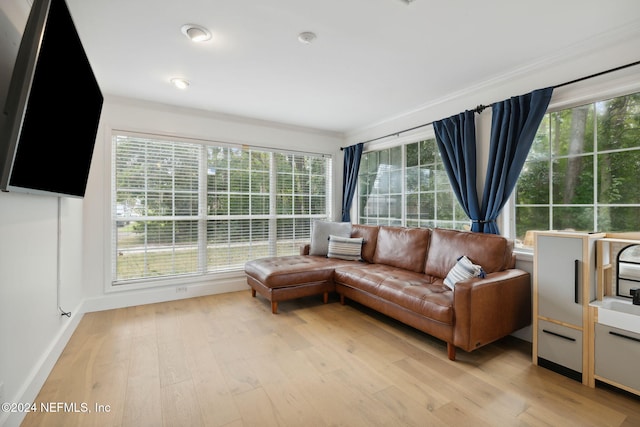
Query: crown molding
{"type": "Point", "coordinates": [250, 121]}
{"type": "Point", "coordinates": [542, 71]}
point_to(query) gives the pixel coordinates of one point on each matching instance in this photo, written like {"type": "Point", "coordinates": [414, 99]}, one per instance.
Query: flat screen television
{"type": "Point", "coordinates": [50, 119]}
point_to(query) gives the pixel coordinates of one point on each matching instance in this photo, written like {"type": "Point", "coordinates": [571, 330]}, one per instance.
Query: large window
{"type": "Point", "coordinates": [185, 208]}
{"type": "Point", "coordinates": [407, 185]}
{"type": "Point", "coordinates": [582, 171]}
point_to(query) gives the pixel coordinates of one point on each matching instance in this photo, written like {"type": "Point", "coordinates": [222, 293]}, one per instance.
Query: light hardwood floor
{"type": "Point", "coordinates": [225, 360]}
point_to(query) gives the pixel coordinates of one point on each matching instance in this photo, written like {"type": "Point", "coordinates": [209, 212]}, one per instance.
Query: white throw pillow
{"type": "Point", "coordinates": [320, 232]}
{"type": "Point", "coordinates": [349, 248]}
{"type": "Point", "coordinates": [463, 269]}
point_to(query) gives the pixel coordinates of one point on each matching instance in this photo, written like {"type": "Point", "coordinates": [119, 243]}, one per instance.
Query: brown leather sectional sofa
{"type": "Point", "coordinates": [401, 275]}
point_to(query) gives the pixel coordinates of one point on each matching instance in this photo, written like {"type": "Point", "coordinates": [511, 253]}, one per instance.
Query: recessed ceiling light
{"type": "Point", "coordinates": [180, 83]}
{"type": "Point", "coordinates": [196, 33]}
{"type": "Point", "coordinates": [306, 37]}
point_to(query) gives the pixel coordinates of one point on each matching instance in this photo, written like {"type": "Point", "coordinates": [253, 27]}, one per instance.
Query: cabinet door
{"type": "Point", "coordinates": [616, 355]}
{"type": "Point", "coordinates": [559, 278]}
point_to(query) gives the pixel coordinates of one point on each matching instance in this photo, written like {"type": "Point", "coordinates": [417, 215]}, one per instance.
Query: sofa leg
{"type": "Point", "coordinates": [451, 351]}
{"type": "Point", "coordinates": [325, 297]}
{"type": "Point", "coordinates": [274, 307]}
{"type": "Point", "coordinates": [253, 293]}
{"type": "Point", "coordinates": [341, 299]}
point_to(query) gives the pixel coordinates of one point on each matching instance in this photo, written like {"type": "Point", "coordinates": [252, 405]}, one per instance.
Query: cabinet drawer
{"type": "Point", "coordinates": [560, 344]}
{"type": "Point", "coordinates": [617, 354]}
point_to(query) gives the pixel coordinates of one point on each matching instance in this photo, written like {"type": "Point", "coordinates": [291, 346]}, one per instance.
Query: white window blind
{"type": "Point", "coordinates": [301, 196]}
{"type": "Point", "coordinates": [188, 208]}
{"type": "Point", "coordinates": [238, 191]}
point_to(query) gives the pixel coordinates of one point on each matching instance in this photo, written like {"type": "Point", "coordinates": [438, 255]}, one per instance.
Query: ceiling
{"type": "Point", "coordinates": [371, 60]}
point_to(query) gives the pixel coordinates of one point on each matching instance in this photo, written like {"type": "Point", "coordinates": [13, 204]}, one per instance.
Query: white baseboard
{"type": "Point", "coordinates": [154, 295]}
{"type": "Point", "coordinates": [34, 381]}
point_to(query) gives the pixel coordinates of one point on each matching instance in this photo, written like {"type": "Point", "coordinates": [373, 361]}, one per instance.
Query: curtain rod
{"type": "Point", "coordinates": [480, 108]}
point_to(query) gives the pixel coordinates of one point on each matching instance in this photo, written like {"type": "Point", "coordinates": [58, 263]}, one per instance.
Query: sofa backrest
{"type": "Point", "coordinates": [402, 247]}
{"type": "Point", "coordinates": [369, 234]}
{"type": "Point", "coordinates": [490, 251]}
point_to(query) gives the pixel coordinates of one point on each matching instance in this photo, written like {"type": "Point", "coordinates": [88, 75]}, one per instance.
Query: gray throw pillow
{"type": "Point", "coordinates": [320, 232]}
{"type": "Point", "coordinates": [349, 248]}
{"type": "Point", "coordinates": [463, 269]}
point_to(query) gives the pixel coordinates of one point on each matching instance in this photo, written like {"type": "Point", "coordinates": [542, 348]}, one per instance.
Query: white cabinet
{"type": "Point", "coordinates": [563, 285]}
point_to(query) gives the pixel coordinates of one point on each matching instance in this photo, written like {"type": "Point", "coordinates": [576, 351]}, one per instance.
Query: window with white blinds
{"type": "Point", "coordinates": [189, 208]}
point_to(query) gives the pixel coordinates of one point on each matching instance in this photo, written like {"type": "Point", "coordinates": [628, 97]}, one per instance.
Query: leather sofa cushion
{"type": "Point", "coordinates": [487, 250]}
{"type": "Point", "coordinates": [370, 235]}
{"type": "Point", "coordinates": [366, 277]}
{"type": "Point", "coordinates": [416, 292]}
{"type": "Point", "coordinates": [401, 247]}
{"type": "Point", "coordinates": [432, 300]}
{"type": "Point", "coordinates": [293, 270]}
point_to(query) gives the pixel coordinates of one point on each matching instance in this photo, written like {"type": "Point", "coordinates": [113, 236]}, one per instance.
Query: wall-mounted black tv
{"type": "Point", "coordinates": [50, 118]}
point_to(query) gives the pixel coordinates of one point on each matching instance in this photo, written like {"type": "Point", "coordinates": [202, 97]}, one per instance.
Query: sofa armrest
{"type": "Point", "coordinates": [490, 308]}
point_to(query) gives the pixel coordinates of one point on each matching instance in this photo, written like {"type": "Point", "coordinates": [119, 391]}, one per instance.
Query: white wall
{"type": "Point", "coordinates": [32, 330]}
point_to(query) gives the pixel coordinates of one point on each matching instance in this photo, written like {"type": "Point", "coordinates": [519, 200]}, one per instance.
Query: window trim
{"type": "Point", "coordinates": [200, 277]}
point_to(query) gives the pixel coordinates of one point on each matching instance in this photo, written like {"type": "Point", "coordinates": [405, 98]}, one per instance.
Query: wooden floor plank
{"type": "Point", "coordinates": [457, 414]}
{"type": "Point", "coordinates": [142, 404]}
{"type": "Point", "coordinates": [256, 408]}
{"type": "Point", "coordinates": [407, 409]}
{"type": "Point", "coordinates": [217, 404]}
{"type": "Point", "coordinates": [180, 405]}
{"type": "Point", "coordinates": [225, 360]}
